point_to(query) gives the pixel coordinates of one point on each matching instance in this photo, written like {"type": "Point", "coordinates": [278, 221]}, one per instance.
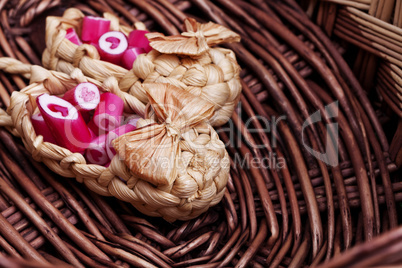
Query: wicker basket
{"type": "Point", "coordinates": [374, 28]}
{"type": "Point", "coordinates": [302, 213]}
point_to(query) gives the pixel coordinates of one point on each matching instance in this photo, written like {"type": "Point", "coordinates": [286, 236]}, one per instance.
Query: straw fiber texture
{"type": "Point", "coordinates": [283, 205]}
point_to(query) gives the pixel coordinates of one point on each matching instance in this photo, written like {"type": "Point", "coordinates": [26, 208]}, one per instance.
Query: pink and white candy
{"type": "Point", "coordinates": [96, 151]}
{"type": "Point", "coordinates": [72, 35]}
{"type": "Point", "coordinates": [111, 152]}
{"type": "Point", "coordinates": [130, 55]}
{"type": "Point", "coordinates": [111, 46]}
{"type": "Point", "coordinates": [65, 122]}
{"type": "Point", "coordinates": [41, 128]}
{"type": "Point", "coordinates": [85, 97]}
{"type": "Point", "coordinates": [108, 114]}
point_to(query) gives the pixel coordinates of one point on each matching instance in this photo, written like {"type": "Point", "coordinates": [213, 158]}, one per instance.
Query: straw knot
{"type": "Point", "coordinates": [195, 41]}
{"type": "Point", "coordinates": [199, 34]}
{"type": "Point", "coordinates": [171, 128]}
{"type": "Point", "coordinates": [74, 158]}
{"type": "Point", "coordinates": [37, 148]}
{"type": "Point", "coordinates": [84, 50]}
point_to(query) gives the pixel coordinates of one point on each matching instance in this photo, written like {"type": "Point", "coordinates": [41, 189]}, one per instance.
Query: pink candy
{"type": "Point", "coordinates": [60, 122]}
{"type": "Point", "coordinates": [93, 28]}
{"type": "Point", "coordinates": [112, 46]}
{"type": "Point", "coordinates": [130, 55]}
{"type": "Point", "coordinates": [41, 128]}
{"type": "Point", "coordinates": [72, 35]}
{"type": "Point", "coordinates": [96, 151]}
{"type": "Point", "coordinates": [115, 134]}
{"type": "Point", "coordinates": [137, 38]}
{"type": "Point", "coordinates": [108, 114]}
{"type": "Point", "coordinates": [65, 122]}
{"type": "Point", "coordinates": [85, 97]}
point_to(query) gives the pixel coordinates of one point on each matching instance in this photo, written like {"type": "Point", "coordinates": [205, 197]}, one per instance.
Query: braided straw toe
{"type": "Point", "coordinates": [182, 164]}
{"type": "Point", "coordinates": [189, 62]}
{"type": "Point", "coordinates": [196, 169]}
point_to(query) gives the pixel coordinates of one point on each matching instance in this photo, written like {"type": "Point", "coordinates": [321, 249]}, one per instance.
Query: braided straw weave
{"type": "Point", "coordinates": [187, 61]}
{"type": "Point", "coordinates": [177, 152]}
{"type": "Point", "coordinates": [198, 166]}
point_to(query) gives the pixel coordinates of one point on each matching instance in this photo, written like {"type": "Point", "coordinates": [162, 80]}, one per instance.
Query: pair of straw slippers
{"type": "Point", "coordinates": [174, 165]}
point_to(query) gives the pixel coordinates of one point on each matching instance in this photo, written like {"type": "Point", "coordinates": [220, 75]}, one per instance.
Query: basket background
{"type": "Point", "coordinates": [49, 220]}
{"type": "Point", "coordinates": [370, 32]}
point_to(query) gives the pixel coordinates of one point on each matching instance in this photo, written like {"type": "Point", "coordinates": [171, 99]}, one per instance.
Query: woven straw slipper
{"type": "Point", "coordinates": [188, 61]}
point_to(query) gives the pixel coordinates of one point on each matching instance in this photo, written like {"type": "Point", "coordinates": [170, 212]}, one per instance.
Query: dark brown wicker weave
{"type": "Point", "coordinates": [303, 213]}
